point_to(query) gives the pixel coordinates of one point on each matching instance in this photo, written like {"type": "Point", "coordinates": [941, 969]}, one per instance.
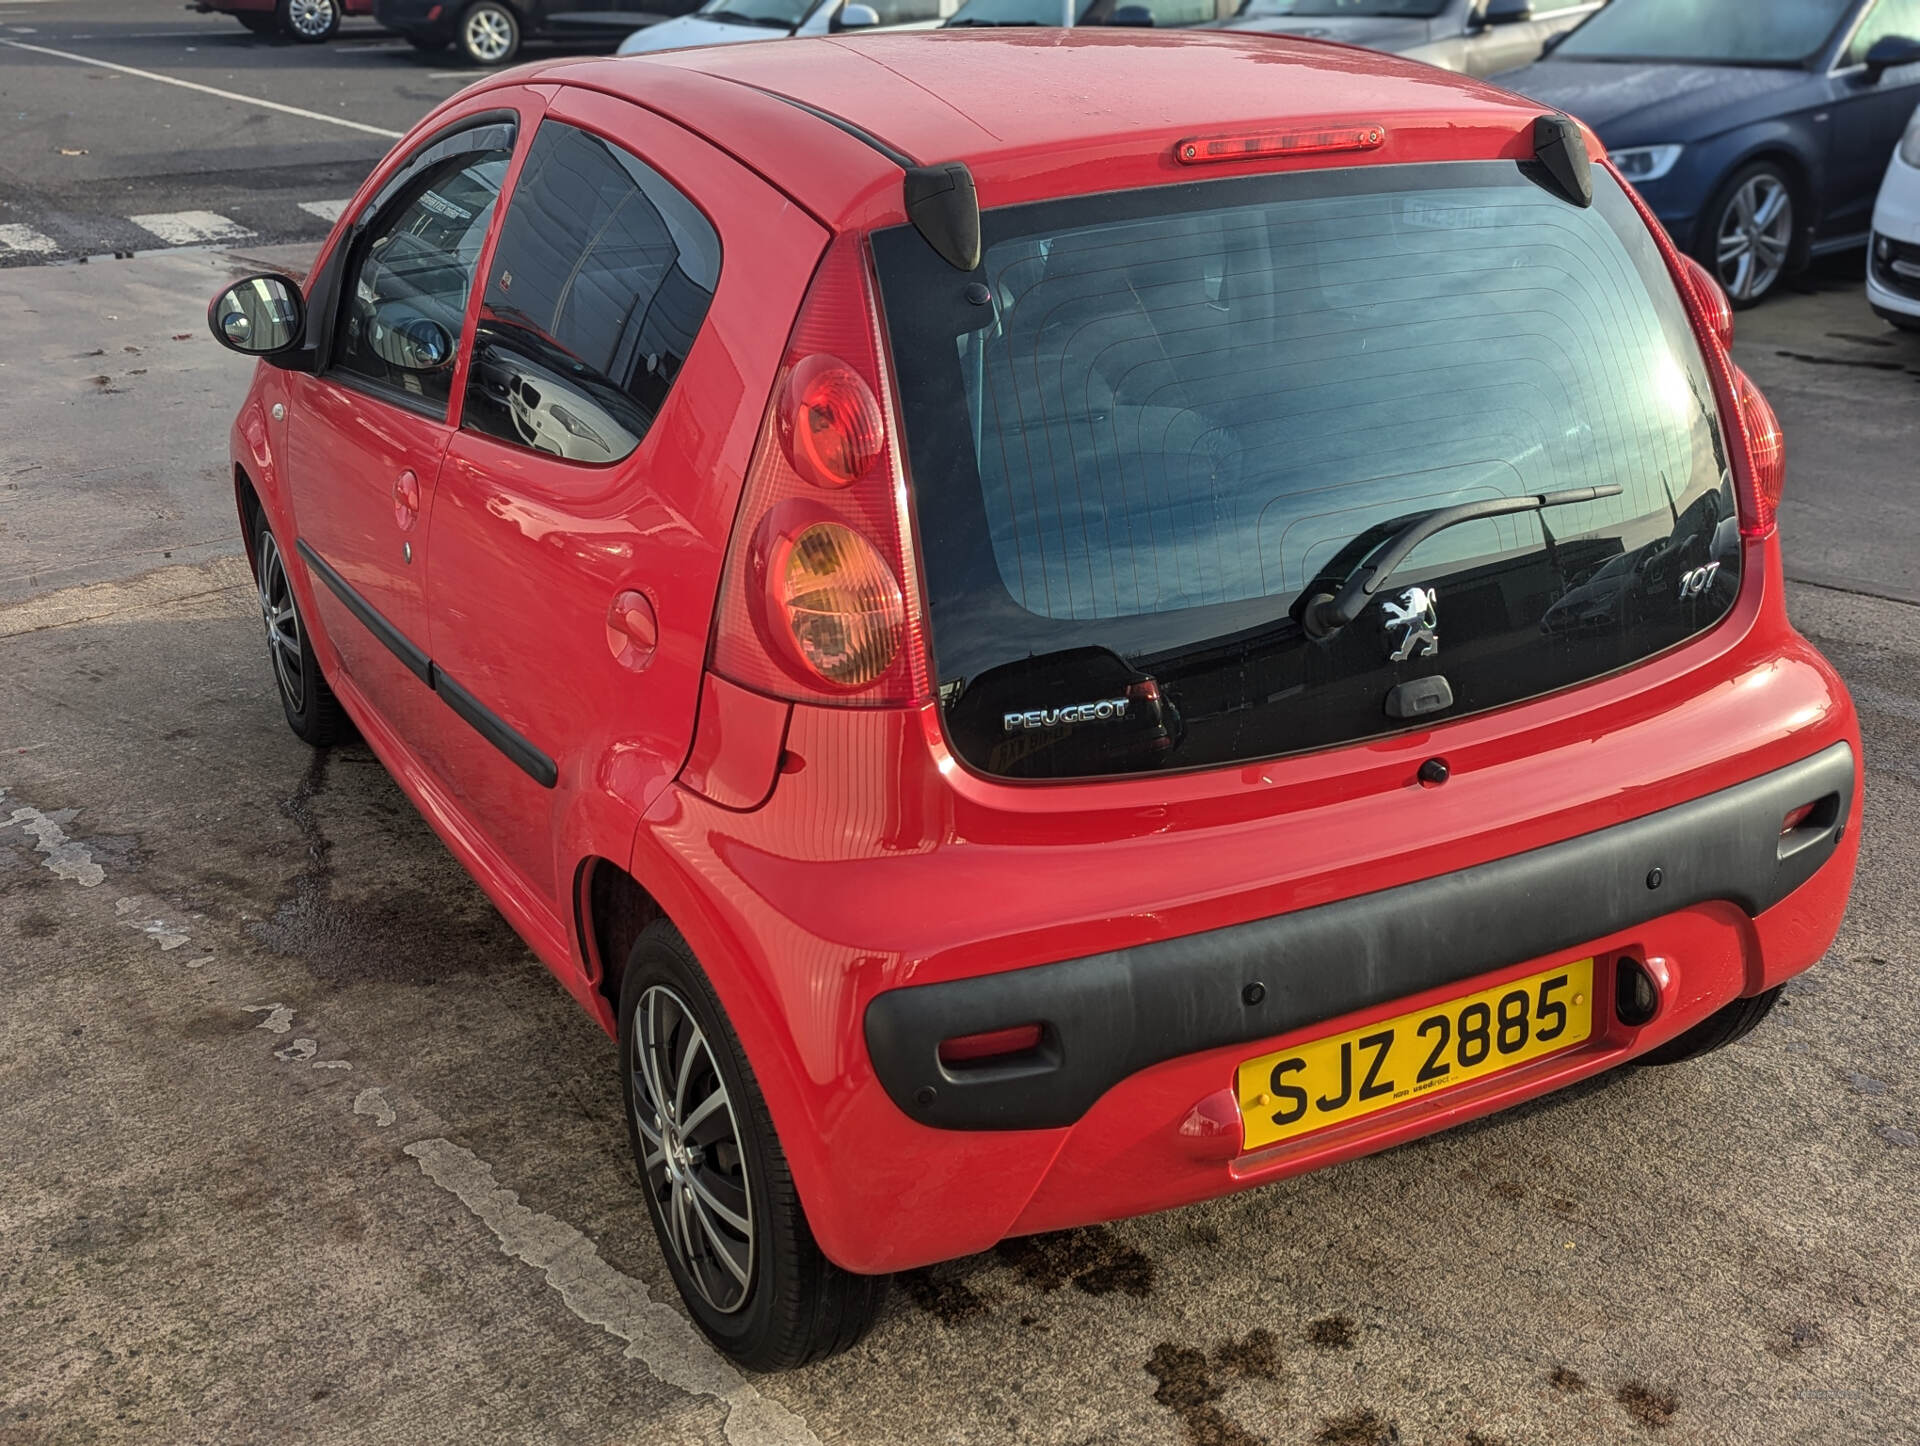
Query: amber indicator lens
{"type": "Point", "coordinates": [829, 422]}
{"type": "Point", "coordinates": [1253, 145]}
{"type": "Point", "coordinates": [842, 606]}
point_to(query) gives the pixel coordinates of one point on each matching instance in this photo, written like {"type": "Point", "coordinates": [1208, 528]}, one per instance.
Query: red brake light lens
{"type": "Point", "coordinates": [1715, 306]}
{"type": "Point", "coordinates": [1255, 145]}
{"type": "Point", "coordinates": [1767, 447]}
{"type": "Point", "coordinates": [829, 422]}
{"type": "Point", "coordinates": [841, 605]}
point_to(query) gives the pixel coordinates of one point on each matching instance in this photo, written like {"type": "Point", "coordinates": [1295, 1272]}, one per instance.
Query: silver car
{"type": "Point", "coordinates": [1475, 37]}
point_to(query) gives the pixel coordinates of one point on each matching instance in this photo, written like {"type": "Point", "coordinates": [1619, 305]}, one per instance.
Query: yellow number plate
{"type": "Point", "coordinates": [1326, 1081]}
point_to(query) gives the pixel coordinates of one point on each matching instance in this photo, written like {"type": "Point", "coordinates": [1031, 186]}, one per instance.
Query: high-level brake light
{"type": "Point", "coordinates": [1256, 145]}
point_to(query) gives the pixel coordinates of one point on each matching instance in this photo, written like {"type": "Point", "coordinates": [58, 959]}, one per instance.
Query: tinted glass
{"type": "Point", "coordinates": [599, 285]}
{"type": "Point", "coordinates": [773, 14]}
{"type": "Point", "coordinates": [1181, 414]}
{"type": "Point", "coordinates": [1416, 9]}
{"type": "Point", "coordinates": [1017, 12]}
{"type": "Point", "coordinates": [407, 281]}
{"type": "Point", "coordinates": [1887, 17]}
{"type": "Point", "coordinates": [1751, 32]}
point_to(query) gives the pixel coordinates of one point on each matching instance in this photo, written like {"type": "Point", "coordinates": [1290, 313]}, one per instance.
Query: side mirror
{"type": "Point", "coordinates": [401, 337]}
{"type": "Point", "coordinates": [261, 316]}
{"type": "Point", "coordinates": [1890, 52]}
{"type": "Point", "coordinates": [854, 16]}
{"type": "Point", "coordinates": [1135, 16]}
{"type": "Point", "coordinates": [1506, 12]}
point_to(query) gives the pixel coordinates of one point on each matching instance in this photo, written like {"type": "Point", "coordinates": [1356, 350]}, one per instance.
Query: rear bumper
{"type": "Point", "coordinates": [1109, 1016]}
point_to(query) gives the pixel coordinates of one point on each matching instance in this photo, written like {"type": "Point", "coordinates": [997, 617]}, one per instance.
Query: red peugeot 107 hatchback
{"type": "Point", "coordinates": [1037, 657]}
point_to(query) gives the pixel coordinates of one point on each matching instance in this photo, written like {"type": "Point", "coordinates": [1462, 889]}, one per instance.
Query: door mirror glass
{"type": "Point", "coordinates": [261, 316]}
{"type": "Point", "coordinates": [1890, 52]}
{"type": "Point", "coordinates": [856, 17]}
{"type": "Point", "coordinates": [407, 341]}
{"type": "Point", "coordinates": [1506, 12]}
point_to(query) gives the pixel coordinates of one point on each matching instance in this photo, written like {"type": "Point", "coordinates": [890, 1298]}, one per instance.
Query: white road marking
{"type": "Point", "coordinates": [279, 1018]}
{"type": "Point", "coordinates": [65, 859]}
{"type": "Point", "coordinates": [253, 100]}
{"type": "Point", "coordinates": [657, 1336]}
{"type": "Point", "coordinates": [25, 238]}
{"type": "Point", "coordinates": [373, 1102]}
{"type": "Point", "coordinates": [328, 211]}
{"type": "Point", "coordinates": [190, 228]}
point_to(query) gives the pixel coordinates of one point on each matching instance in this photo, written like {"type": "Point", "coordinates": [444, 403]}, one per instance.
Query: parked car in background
{"type": "Point", "coordinates": [306, 21]}
{"type": "Point", "coordinates": [1893, 253]}
{"type": "Point", "coordinates": [490, 32]}
{"type": "Point", "coordinates": [726, 22]}
{"type": "Point", "coordinates": [1022, 693]}
{"type": "Point", "coordinates": [1757, 130]}
{"type": "Point", "coordinates": [988, 14]}
{"type": "Point", "coordinates": [1474, 37]}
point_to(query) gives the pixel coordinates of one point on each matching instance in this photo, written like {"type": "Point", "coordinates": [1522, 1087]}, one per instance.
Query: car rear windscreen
{"type": "Point", "coordinates": [1155, 426]}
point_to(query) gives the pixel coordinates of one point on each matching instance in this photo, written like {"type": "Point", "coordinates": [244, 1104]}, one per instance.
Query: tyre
{"type": "Point", "coordinates": [313, 712]}
{"type": "Point", "coordinates": [1716, 1031]}
{"type": "Point", "coordinates": [1747, 235]}
{"type": "Point", "coordinates": [716, 1181]}
{"type": "Point", "coordinates": [487, 33]}
{"type": "Point", "coordinates": [431, 44]}
{"type": "Point", "coordinates": [308, 21]}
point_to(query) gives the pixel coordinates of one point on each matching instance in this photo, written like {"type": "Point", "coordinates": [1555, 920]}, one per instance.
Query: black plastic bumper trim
{"type": "Point", "coordinates": [482, 719]}
{"type": "Point", "coordinates": [1112, 1015]}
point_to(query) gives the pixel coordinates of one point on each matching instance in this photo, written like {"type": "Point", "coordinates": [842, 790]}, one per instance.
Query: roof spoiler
{"type": "Point", "coordinates": [1560, 154]}
{"type": "Point", "coordinates": [944, 208]}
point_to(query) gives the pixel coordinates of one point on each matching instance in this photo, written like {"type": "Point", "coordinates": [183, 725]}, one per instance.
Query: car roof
{"type": "Point", "coordinates": [1041, 112]}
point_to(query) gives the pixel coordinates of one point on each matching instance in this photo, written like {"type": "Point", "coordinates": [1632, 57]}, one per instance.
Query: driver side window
{"type": "Point", "coordinates": [405, 292]}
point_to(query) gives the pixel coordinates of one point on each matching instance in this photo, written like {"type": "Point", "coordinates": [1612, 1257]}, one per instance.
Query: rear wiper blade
{"type": "Point", "coordinates": [1326, 613]}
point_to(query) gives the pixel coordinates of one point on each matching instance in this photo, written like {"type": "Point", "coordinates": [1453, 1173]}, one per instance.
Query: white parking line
{"type": "Point", "coordinates": [328, 211]}
{"type": "Point", "coordinates": [25, 238]}
{"type": "Point", "coordinates": [191, 228]}
{"type": "Point", "coordinates": [253, 100]}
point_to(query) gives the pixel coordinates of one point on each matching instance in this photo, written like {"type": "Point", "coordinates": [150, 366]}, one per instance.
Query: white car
{"type": "Point", "coordinates": [1893, 255]}
{"type": "Point", "coordinates": [723, 22]}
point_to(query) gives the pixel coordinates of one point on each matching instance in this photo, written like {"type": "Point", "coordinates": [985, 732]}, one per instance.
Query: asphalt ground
{"type": "Point", "coordinates": [298, 1142]}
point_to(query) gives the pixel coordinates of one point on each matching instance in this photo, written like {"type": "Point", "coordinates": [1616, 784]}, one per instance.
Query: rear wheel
{"type": "Point", "coordinates": [716, 1181]}
{"type": "Point", "coordinates": [1716, 1031]}
{"type": "Point", "coordinates": [488, 33]}
{"type": "Point", "coordinates": [313, 713]}
{"type": "Point", "coordinates": [309, 21]}
{"type": "Point", "coordinates": [1747, 237]}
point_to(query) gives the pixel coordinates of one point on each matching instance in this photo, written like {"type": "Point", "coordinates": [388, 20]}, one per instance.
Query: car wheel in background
{"type": "Point", "coordinates": [309, 21]}
{"type": "Point", "coordinates": [313, 712]}
{"type": "Point", "coordinates": [1716, 1031]}
{"type": "Point", "coordinates": [1747, 234]}
{"type": "Point", "coordinates": [488, 33]}
{"type": "Point", "coordinates": [718, 1190]}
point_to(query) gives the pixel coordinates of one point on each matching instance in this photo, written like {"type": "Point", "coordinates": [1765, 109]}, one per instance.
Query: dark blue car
{"type": "Point", "coordinates": [1757, 130]}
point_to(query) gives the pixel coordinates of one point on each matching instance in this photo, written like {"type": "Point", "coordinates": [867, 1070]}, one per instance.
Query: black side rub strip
{"type": "Point", "coordinates": [1108, 1016]}
{"type": "Point", "coordinates": [482, 719]}
{"type": "Point", "coordinates": [395, 641]}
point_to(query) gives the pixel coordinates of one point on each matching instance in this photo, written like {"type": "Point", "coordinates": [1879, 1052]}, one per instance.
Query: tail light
{"type": "Point", "coordinates": [1760, 462]}
{"type": "Point", "coordinates": [817, 602]}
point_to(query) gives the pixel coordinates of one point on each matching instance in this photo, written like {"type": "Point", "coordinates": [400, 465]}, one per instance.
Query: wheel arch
{"type": "Point", "coordinates": [1781, 148]}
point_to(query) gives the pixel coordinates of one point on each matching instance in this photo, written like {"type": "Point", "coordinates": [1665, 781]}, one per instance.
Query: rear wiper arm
{"type": "Point", "coordinates": [1326, 613]}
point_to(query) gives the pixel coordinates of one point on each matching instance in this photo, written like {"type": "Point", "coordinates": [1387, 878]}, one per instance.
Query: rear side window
{"type": "Point", "coordinates": [1177, 416]}
{"type": "Point", "coordinates": [600, 282]}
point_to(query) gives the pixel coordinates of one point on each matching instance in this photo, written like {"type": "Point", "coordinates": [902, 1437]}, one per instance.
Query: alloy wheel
{"type": "Point", "coordinates": [1755, 237]}
{"type": "Point", "coordinates": [282, 619]}
{"type": "Point", "coordinates": [692, 1161]}
{"type": "Point", "coordinates": [310, 19]}
{"type": "Point", "coordinates": [489, 34]}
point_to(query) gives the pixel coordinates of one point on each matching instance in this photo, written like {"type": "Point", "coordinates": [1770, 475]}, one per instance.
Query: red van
{"type": "Point", "coordinates": [1035, 659]}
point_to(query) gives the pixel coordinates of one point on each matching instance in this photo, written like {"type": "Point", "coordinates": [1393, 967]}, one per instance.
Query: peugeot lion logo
{"type": "Point", "coordinates": [1416, 613]}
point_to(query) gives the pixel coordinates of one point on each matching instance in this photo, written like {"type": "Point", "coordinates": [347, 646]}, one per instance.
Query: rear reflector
{"type": "Point", "coordinates": [1253, 145]}
{"type": "Point", "coordinates": [992, 1045]}
{"type": "Point", "coordinates": [1799, 816]}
